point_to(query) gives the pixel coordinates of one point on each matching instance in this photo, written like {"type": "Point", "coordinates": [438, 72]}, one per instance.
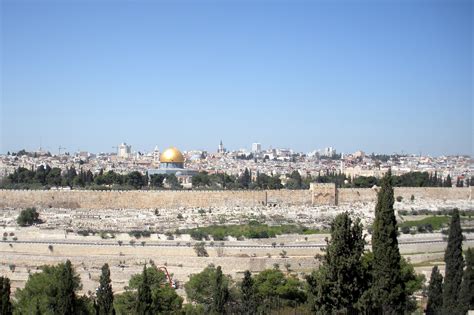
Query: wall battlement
{"type": "Point", "coordinates": [318, 194]}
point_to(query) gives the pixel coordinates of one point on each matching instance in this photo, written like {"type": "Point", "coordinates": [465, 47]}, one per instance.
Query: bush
{"type": "Point", "coordinates": [403, 212]}
{"type": "Point", "coordinates": [405, 229]}
{"type": "Point", "coordinates": [84, 232]}
{"type": "Point", "coordinates": [399, 198]}
{"type": "Point", "coordinates": [28, 217]}
{"type": "Point", "coordinates": [252, 230]}
{"type": "Point", "coordinates": [138, 234]}
{"type": "Point", "coordinates": [198, 234]}
{"type": "Point", "coordinates": [200, 249]}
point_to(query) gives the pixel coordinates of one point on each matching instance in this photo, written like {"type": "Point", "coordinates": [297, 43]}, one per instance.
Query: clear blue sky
{"type": "Point", "coordinates": [382, 76]}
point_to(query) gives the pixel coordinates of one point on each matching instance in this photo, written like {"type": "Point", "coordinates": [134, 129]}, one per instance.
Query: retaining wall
{"type": "Point", "coordinates": [317, 195]}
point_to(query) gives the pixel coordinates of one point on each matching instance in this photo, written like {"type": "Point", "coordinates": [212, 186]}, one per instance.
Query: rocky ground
{"type": "Point", "coordinates": [24, 250]}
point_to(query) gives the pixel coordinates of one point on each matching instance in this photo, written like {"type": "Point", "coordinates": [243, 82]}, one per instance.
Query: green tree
{"type": "Point", "coordinates": [388, 288]}
{"type": "Point", "coordinates": [448, 182]}
{"type": "Point", "coordinates": [249, 303]}
{"type": "Point", "coordinates": [220, 294]}
{"type": "Point", "coordinates": [294, 181]}
{"type": "Point", "coordinates": [5, 303]}
{"type": "Point", "coordinates": [201, 287]}
{"type": "Point", "coordinates": [164, 298]}
{"type": "Point", "coordinates": [40, 175]}
{"type": "Point", "coordinates": [144, 300]}
{"type": "Point", "coordinates": [466, 294]}
{"type": "Point", "coordinates": [201, 179]}
{"type": "Point", "coordinates": [338, 284]}
{"type": "Point", "coordinates": [412, 282]}
{"type": "Point", "coordinates": [54, 177]}
{"type": "Point", "coordinates": [274, 290]}
{"type": "Point", "coordinates": [50, 292]}
{"type": "Point", "coordinates": [454, 266]}
{"type": "Point", "coordinates": [245, 179]}
{"type": "Point", "coordinates": [435, 293]}
{"type": "Point", "coordinates": [105, 296]}
{"type": "Point", "coordinates": [200, 249]}
{"type": "Point", "coordinates": [156, 180]}
{"type": "Point", "coordinates": [69, 177]}
{"type": "Point", "coordinates": [66, 298]}
{"type": "Point", "coordinates": [136, 179]}
{"type": "Point", "coordinates": [173, 182]}
{"type": "Point", "coordinates": [89, 177]}
{"type": "Point", "coordinates": [28, 217]}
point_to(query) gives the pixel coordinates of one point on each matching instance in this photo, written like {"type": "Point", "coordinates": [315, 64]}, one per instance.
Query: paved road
{"type": "Point", "coordinates": [190, 244]}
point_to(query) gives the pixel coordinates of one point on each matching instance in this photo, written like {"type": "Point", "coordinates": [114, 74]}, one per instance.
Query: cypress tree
{"type": "Point", "coordinates": [466, 295]}
{"type": "Point", "coordinates": [66, 299]}
{"type": "Point", "coordinates": [143, 306]}
{"type": "Point", "coordinates": [448, 182]}
{"type": "Point", "coordinates": [434, 181]}
{"type": "Point", "coordinates": [105, 296]}
{"type": "Point", "coordinates": [388, 289]}
{"type": "Point", "coordinates": [435, 293]}
{"type": "Point", "coordinates": [249, 304]}
{"type": "Point", "coordinates": [338, 285]}
{"type": "Point", "coordinates": [246, 178]}
{"type": "Point", "coordinates": [5, 303]}
{"type": "Point", "coordinates": [220, 294]}
{"type": "Point", "coordinates": [454, 266]}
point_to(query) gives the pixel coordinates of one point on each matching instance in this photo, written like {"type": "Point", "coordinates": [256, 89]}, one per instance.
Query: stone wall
{"type": "Point", "coordinates": [129, 199]}
{"type": "Point", "coordinates": [320, 194]}
{"type": "Point", "coordinates": [323, 194]}
{"type": "Point", "coordinates": [352, 195]}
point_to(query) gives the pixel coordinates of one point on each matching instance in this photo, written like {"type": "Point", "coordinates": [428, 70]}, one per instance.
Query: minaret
{"type": "Point", "coordinates": [221, 148]}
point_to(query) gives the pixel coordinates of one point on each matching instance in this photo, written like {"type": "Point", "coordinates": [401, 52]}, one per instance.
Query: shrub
{"type": "Point", "coordinates": [403, 212]}
{"type": "Point", "coordinates": [200, 249]}
{"type": "Point", "coordinates": [84, 232]}
{"type": "Point", "coordinates": [138, 234]}
{"type": "Point", "coordinates": [28, 217]}
{"type": "Point", "coordinates": [198, 234]}
{"type": "Point", "coordinates": [399, 198]}
{"type": "Point", "coordinates": [405, 229]}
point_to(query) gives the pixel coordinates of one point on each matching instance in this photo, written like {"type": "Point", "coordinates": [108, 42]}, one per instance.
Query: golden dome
{"type": "Point", "coordinates": [171, 155]}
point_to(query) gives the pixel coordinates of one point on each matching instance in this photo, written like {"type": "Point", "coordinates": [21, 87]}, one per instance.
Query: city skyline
{"type": "Point", "coordinates": [382, 76]}
{"type": "Point", "coordinates": [323, 150]}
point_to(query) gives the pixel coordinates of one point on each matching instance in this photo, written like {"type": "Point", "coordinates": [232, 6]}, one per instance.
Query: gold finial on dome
{"type": "Point", "coordinates": [171, 155]}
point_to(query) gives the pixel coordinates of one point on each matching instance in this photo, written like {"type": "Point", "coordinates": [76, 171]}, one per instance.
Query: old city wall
{"type": "Point", "coordinates": [317, 195]}
{"type": "Point", "coordinates": [129, 199]}
{"type": "Point", "coordinates": [352, 195]}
